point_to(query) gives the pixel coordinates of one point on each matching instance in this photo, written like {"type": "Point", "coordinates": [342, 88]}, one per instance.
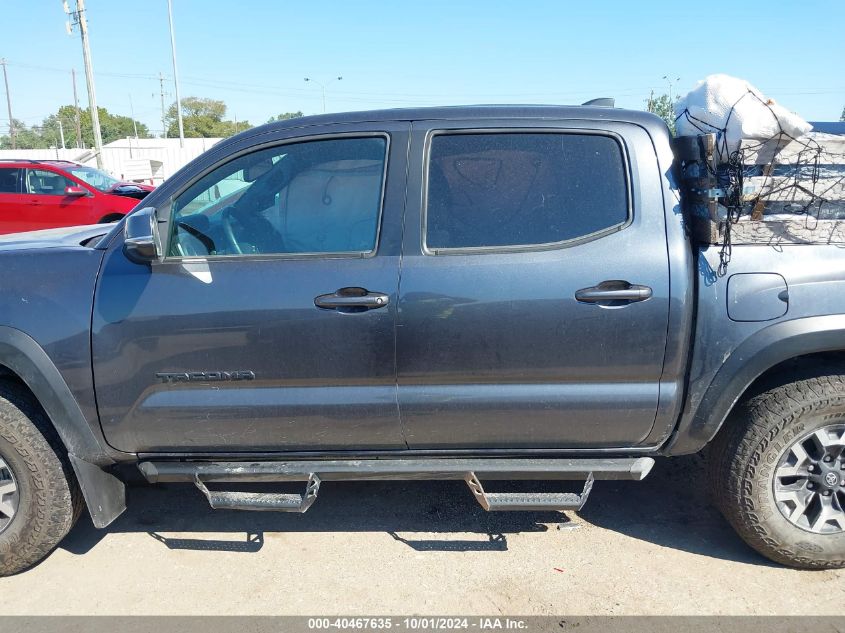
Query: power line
{"type": "Point", "coordinates": [294, 91]}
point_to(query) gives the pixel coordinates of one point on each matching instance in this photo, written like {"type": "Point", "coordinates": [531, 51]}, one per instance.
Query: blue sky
{"type": "Point", "coordinates": [253, 54]}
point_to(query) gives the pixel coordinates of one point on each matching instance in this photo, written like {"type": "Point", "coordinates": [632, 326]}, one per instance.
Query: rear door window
{"type": "Point", "coordinates": [9, 179]}
{"type": "Point", "coordinates": [494, 190]}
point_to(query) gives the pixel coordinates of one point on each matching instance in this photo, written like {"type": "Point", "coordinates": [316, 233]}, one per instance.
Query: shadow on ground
{"type": "Point", "coordinates": [669, 508]}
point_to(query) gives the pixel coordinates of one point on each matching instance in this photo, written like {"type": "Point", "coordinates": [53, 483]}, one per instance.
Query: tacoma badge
{"type": "Point", "coordinates": [205, 376]}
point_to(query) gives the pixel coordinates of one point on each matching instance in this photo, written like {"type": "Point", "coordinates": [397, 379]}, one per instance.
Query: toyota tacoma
{"type": "Point", "coordinates": [473, 293]}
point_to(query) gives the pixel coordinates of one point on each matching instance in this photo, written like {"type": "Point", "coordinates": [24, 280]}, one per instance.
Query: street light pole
{"type": "Point", "coordinates": [61, 132]}
{"type": "Point", "coordinates": [132, 112]}
{"type": "Point", "coordinates": [12, 131]}
{"type": "Point", "coordinates": [77, 118]}
{"type": "Point", "coordinates": [670, 82]}
{"type": "Point", "coordinates": [323, 88]}
{"type": "Point", "coordinates": [163, 111]}
{"type": "Point", "coordinates": [176, 75]}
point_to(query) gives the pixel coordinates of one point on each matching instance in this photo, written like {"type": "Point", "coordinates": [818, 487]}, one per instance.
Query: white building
{"type": "Point", "coordinates": [149, 160]}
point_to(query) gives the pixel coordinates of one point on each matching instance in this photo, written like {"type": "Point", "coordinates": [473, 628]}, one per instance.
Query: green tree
{"type": "Point", "coordinates": [47, 134]}
{"type": "Point", "coordinates": [27, 137]}
{"type": "Point", "coordinates": [663, 107]}
{"type": "Point", "coordinates": [285, 116]}
{"type": "Point", "coordinates": [202, 118]}
{"type": "Point", "coordinates": [112, 126]}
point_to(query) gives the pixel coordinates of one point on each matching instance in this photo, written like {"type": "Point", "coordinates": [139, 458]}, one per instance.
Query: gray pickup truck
{"type": "Point", "coordinates": [474, 293]}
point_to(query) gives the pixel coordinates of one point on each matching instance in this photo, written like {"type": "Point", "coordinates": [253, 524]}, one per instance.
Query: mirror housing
{"type": "Point", "coordinates": [75, 192]}
{"type": "Point", "coordinates": [254, 171]}
{"type": "Point", "coordinates": [141, 243]}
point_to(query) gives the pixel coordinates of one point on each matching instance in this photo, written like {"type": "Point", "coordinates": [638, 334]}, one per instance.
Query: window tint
{"type": "Point", "coordinates": [515, 189]}
{"type": "Point", "coordinates": [9, 179]}
{"type": "Point", "coordinates": [48, 183]}
{"type": "Point", "coordinates": [310, 197]}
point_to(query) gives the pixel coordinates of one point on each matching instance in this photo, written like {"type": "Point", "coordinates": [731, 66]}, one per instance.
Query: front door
{"type": "Point", "coordinates": [269, 325]}
{"type": "Point", "coordinates": [48, 206]}
{"type": "Point", "coordinates": [534, 294]}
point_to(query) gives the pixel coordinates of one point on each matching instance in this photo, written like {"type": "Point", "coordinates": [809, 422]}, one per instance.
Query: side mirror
{"type": "Point", "coordinates": [141, 242]}
{"type": "Point", "coordinates": [75, 192]}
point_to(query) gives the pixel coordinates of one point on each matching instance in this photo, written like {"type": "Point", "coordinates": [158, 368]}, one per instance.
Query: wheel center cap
{"type": "Point", "coordinates": [831, 479]}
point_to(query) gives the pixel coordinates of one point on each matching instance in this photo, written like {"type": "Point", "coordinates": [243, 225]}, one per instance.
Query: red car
{"type": "Point", "coordinates": [44, 194]}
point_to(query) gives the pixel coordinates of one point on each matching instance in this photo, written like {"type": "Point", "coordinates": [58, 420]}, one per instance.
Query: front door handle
{"type": "Point", "coordinates": [352, 299]}
{"type": "Point", "coordinates": [613, 293]}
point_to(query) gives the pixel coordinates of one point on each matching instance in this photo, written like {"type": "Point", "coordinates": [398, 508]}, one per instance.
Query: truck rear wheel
{"type": "Point", "coordinates": [39, 497]}
{"type": "Point", "coordinates": [777, 472]}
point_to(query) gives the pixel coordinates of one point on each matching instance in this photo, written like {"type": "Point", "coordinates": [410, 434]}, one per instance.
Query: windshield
{"type": "Point", "coordinates": [100, 180]}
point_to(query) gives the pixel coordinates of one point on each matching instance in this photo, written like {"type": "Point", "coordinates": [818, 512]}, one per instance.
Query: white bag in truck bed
{"type": "Point", "coordinates": [734, 110]}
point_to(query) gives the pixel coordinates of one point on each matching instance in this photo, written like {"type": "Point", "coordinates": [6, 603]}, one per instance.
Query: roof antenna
{"type": "Point", "coordinates": [603, 102]}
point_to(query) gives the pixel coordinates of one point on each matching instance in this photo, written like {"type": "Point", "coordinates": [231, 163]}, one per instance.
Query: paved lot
{"type": "Point", "coordinates": [654, 547]}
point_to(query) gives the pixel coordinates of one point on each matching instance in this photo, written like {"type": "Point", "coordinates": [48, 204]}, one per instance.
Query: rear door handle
{"type": "Point", "coordinates": [613, 293]}
{"type": "Point", "coordinates": [352, 299]}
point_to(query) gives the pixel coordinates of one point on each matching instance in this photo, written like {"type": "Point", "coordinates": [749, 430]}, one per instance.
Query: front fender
{"type": "Point", "coordinates": [104, 494]}
{"type": "Point", "coordinates": [754, 356]}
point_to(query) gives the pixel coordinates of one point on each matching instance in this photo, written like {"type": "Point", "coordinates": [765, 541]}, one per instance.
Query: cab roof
{"type": "Point", "coordinates": [461, 112]}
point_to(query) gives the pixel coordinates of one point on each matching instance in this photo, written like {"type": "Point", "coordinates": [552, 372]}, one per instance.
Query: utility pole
{"type": "Point", "coordinates": [176, 75]}
{"type": "Point", "coordinates": [77, 119]}
{"type": "Point", "coordinates": [12, 131]}
{"type": "Point", "coordinates": [163, 111]}
{"type": "Point", "coordinates": [79, 19]}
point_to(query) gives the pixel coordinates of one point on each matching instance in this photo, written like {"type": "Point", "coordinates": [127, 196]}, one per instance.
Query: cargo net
{"type": "Point", "coordinates": [775, 190]}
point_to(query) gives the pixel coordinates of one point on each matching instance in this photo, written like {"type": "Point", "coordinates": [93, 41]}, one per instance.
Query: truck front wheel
{"type": "Point", "coordinates": [777, 472]}
{"type": "Point", "coordinates": [39, 497]}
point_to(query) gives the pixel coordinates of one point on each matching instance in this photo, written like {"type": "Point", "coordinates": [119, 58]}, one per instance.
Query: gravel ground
{"type": "Point", "coordinates": [653, 547]}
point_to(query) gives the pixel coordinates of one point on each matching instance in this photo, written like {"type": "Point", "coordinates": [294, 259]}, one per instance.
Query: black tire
{"type": "Point", "coordinates": [744, 457]}
{"type": "Point", "coordinates": [111, 218]}
{"type": "Point", "coordinates": [49, 497]}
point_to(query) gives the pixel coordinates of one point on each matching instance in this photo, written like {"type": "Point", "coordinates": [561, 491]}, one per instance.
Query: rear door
{"type": "Point", "coordinates": [12, 201]}
{"type": "Point", "coordinates": [534, 292]}
{"type": "Point", "coordinates": [269, 325]}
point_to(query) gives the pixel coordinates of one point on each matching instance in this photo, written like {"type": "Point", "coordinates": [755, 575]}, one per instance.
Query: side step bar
{"type": "Point", "coordinates": [279, 502]}
{"type": "Point", "coordinates": [472, 471]}
{"type": "Point", "coordinates": [511, 501]}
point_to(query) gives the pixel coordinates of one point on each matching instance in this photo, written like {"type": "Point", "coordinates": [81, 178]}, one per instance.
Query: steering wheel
{"type": "Point", "coordinates": [267, 238]}
{"type": "Point", "coordinates": [228, 233]}
{"type": "Point", "coordinates": [189, 248]}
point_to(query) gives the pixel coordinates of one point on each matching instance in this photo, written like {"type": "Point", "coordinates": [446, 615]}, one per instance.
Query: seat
{"type": "Point", "coordinates": [46, 184]}
{"type": "Point", "coordinates": [331, 208]}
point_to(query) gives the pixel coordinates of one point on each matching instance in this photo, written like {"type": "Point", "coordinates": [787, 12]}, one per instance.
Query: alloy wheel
{"type": "Point", "coordinates": [809, 482]}
{"type": "Point", "coordinates": [9, 497]}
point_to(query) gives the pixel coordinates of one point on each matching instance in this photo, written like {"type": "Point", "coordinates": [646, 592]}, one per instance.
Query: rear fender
{"type": "Point", "coordinates": [757, 354]}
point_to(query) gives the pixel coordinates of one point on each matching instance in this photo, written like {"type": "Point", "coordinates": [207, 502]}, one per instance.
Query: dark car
{"type": "Point", "coordinates": [475, 293]}
{"type": "Point", "coordinates": [42, 194]}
